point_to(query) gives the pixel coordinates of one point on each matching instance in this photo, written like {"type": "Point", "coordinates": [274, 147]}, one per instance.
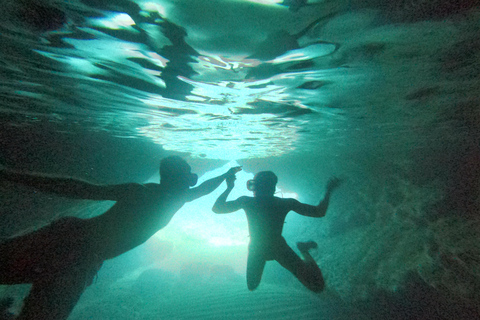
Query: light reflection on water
{"type": "Point", "coordinates": [145, 73]}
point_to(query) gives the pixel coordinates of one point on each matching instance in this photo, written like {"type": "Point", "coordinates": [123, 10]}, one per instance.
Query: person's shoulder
{"type": "Point", "coordinates": [288, 201]}
{"type": "Point", "coordinates": [139, 188]}
{"type": "Point", "coordinates": [245, 199]}
{"type": "Point", "coordinates": [285, 199]}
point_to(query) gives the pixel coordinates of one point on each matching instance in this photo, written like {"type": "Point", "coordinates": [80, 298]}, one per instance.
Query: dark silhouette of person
{"type": "Point", "coordinates": [61, 259]}
{"type": "Point", "coordinates": [266, 216]}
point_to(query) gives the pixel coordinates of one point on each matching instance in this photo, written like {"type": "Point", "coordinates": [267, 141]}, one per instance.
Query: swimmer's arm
{"type": "Point", "coordinates": [69, 187]}
{"type": "Point", "coordinates": [210, 185]}
{"type": "Point", "coordinates": [224, 206]}
{"type": "Point", "coordinates": [309, 210]}
{"type": "Point", "coordinates": [319, 210]}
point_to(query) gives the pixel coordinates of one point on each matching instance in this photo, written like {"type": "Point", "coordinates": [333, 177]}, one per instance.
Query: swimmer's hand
{"type": "Point", "coordinates": [234, 170]}
{"type": "Point", "coordinates": [231, 181]}
{"type": "Point", "coordinates": [230, 176]}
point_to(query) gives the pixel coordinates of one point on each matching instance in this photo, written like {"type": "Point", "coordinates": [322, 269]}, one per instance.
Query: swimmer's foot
{"type": "Point", "coordinates": [305, 246]}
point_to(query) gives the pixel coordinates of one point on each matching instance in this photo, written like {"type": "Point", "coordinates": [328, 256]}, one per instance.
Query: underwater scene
{"type": "Point", "coordinates": [358, 118]}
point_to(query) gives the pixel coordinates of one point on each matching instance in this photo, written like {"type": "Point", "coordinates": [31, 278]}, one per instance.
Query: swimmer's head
{"type": "Point", "coordinates": [176, 171]}
{"type": "Point", "coordinates": [263, 184]}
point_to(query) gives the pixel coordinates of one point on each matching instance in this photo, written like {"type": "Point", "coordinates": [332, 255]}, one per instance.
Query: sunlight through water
{"type": "Point", "coordinates": [381, 94]}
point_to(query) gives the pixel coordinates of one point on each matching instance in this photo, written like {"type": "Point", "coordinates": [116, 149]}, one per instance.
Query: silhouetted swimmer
{"type": "Point", "coordinates": [61, 259]}
{"type": "Point", "coordinates": [266, 216]}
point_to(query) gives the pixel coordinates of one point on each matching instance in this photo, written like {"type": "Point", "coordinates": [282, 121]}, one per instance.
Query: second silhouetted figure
{"type": "Point", "coordinates": [266, 216]}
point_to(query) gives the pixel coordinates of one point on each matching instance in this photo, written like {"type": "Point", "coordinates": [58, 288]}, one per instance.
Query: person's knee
{"type": "Point", "coordinates": [251, 285]}
{"type": "Point", "coordinates": [317, 286]}
{"type": "Point", "coordinates": [312, 278]}
{"type": "Point", "coordinates": [253, 281]}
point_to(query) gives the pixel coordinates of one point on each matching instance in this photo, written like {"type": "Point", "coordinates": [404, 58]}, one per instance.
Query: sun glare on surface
{"type": "Point", "coordinates": [201, 236]}
{"type": "Point", "coordinates": [115, 21]}
{"type": "Point", "coordinates": [266, 2]}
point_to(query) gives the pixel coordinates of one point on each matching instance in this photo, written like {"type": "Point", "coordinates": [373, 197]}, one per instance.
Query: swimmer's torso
{"type": "Point", "coordinates": [266, 217]}
{"type": "Point", "coordinates": [133, 220]}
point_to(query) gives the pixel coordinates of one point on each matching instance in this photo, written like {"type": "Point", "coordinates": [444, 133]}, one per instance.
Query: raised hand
{"type": "Point", "coordinates": [234, 170]}
{"type": "Point", "coordinates": [231, 181]}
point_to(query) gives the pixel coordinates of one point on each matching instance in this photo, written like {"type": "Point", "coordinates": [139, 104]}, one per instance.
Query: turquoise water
{"type": "Point", "coordinates": [383, 95]}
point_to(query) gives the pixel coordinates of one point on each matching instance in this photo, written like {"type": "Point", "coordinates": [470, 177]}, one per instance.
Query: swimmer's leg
{"type": "Point", "coordinates": [255, 266]}
{"type": "Point", "coordinates": [54, 299]}
{"type": "Point", "coordinates": [306, 270]}
{"type": "Point", "coordinates": [303, 247]}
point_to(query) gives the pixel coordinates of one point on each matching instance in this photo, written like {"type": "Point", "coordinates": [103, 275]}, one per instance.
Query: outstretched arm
{"type": "Point", "coordinates": [321, 209]}
{"type": "Point", "coordinates": [221, 205]}
{"type": "Point", "coordinates": [69, 187]}
{"type": "Point", "coordinates": [210, 185]}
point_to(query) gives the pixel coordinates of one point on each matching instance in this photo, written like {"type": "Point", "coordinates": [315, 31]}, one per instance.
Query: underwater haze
{"type": "Point", "coordinates": [383, 94]}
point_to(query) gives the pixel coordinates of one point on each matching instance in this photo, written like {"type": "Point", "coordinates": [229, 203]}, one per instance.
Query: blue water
{"type": "Point", "coordinates": [384, 95]}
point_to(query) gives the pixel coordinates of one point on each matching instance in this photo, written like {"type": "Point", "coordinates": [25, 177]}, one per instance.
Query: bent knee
{"type": "Point", "coordinates": [252, 287]}
{"type": "Point", "coordinates": [317, 287]}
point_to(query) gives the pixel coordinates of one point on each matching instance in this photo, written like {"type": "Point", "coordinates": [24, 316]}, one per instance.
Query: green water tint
{"type": "Point", "coordinates": [382, 94]}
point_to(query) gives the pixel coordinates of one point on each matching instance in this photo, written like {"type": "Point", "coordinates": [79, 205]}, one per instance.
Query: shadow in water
{"type": "Point", "coordinates": [417, 300]}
